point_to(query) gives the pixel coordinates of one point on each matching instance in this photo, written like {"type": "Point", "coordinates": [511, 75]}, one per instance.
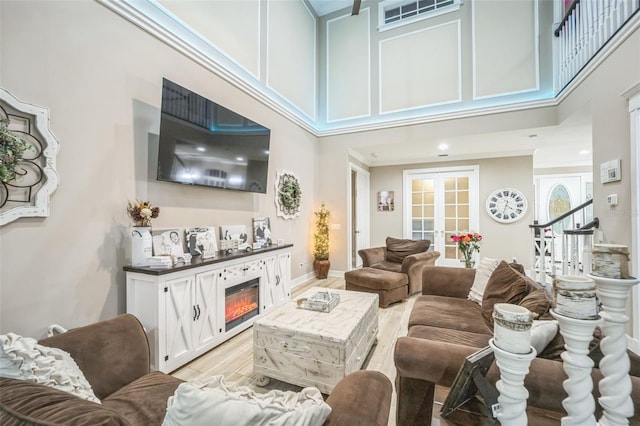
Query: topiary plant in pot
{"type": "Point", "coordinates": [321, 243]}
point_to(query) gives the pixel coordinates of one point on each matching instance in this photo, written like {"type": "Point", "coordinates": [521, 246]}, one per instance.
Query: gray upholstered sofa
{"type": "Point", "coordinates": [402, 256]}
{"type": "Point", "coordinates": [114, 357]}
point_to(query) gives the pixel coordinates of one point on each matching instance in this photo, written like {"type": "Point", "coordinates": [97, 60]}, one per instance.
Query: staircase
{"type": "Point", "coordinates": [584, 30]}
{"type": "Point", "coordinates": [576, 242]}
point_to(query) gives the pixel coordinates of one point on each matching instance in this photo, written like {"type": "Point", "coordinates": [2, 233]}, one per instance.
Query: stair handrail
{"type": "Point", "coordinates": [541, 274]}
{"type": "Point", "coordinates": [562, 216]}
{"type": "Point", "coordinates": [566, 16]}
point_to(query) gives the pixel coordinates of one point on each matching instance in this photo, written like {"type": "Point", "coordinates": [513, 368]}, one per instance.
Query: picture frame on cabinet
{"type": "Point", "coordinates": [234, 232]}
{"type": "Point", "coordinates": [233, 237]}
{"type": "Point", "coordinates": [201, 241]}
{"type": "Point", "coordinates": [167, 242]}
{"type": "Point", "coordinates": [262, 231]}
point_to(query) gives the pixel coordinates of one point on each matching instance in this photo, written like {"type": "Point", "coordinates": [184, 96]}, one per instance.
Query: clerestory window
{"type": "Point", "coordinates": [394, 13]}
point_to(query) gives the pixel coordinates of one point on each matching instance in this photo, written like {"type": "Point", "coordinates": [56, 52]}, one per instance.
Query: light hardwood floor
{"type": "Point", "coordinates": [234, 358]}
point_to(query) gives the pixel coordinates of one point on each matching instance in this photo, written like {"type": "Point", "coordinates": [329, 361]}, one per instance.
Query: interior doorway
{"type": "Point", "coordinates": [359, 212]}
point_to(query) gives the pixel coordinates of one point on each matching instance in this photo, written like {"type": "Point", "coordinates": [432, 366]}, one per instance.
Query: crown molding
{"type": "Point", "coordinates": [146, 16]}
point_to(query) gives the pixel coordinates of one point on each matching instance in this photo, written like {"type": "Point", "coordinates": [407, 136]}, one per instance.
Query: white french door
{"type": "Point", "coordinates": [439, 203]}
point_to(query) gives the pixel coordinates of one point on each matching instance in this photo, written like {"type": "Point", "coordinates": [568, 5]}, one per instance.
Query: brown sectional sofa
{"type": "Point", "coordinates": [402, 256]}
{"type": "Point", "coordinates": [114, 357]}
{"type": "Point", "coordinates": [445, 327]}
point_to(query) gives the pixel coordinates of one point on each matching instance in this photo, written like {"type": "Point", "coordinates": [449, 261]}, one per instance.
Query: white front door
{"type": "Point", "coordinates": [439, 203]}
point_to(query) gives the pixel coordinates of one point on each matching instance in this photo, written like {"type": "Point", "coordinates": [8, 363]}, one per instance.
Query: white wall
{"type": "Point", "coordinates": [101, 77]}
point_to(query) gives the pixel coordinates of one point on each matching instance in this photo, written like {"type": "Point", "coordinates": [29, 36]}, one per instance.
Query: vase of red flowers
{"type": "Point", "coordinates": [468, 244]}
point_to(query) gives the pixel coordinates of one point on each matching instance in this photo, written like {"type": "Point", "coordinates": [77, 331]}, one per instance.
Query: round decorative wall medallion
{"type": "Point", "coordinates": [288, 195]}
{"type": "Point", "coordinates": [506, 205]}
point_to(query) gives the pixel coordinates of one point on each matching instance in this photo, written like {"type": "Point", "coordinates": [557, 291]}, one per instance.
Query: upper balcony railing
{"type": "Point", "coordinates": [585, 28]}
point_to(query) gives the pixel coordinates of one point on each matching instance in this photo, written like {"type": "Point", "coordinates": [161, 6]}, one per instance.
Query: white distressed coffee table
{"type": "Point", "coordinates": [310, 348]}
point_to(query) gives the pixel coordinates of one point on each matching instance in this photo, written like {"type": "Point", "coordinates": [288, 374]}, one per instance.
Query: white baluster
{"type": "Point", "coordinates": [513, 395]}
{"type": "Point", "coordinates": [600, 22]}
{"type": "Point", "coordinates": [615, 386]}
{"type": "Point", "coordinates": [579, 403]}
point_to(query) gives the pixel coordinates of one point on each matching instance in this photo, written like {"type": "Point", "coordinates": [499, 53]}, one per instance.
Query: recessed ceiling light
{"type": "Point", "coordinates": [443, 146]}
{"type": "Point", "coordinates": [584, 152]}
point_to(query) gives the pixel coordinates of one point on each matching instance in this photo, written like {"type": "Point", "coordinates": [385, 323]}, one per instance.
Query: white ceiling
{"type": "Point", "coordinates": [565, 145]}
{"type": "Point", "coordinates": [324, 7]}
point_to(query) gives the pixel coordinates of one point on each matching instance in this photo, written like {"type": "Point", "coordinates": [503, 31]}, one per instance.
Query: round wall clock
{"type": "Point", "coordinates": [506, 205]}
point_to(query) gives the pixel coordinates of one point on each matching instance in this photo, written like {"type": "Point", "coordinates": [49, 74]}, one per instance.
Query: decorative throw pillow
{"type": "Point", "coordinates": [214, 402]}
{"type": "Point", "coordinates": [398, 249]}
{"type": "Point", "coordinates": [505, 285]}
{"type": "Point", "coordinates": [542, 332]}
{"type": "Point", "coordinates": [484, 271]}
{"type": "Point", "coordinates": [538, 301]}
{"type": "Point", "coordinates": [24, 359]}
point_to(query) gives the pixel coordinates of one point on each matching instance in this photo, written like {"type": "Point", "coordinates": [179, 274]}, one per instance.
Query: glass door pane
{"type": "Point", "coordinates": [456, 220]}
{"type": "Point", "coordinates": [423, 209]}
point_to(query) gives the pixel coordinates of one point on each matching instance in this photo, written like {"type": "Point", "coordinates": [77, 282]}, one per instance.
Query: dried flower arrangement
{"type": "Point", "coordinates": [141, 212]}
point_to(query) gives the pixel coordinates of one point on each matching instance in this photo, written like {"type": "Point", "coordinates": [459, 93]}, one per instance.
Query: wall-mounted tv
{"type": "Point", "coordinates": [203, 143]}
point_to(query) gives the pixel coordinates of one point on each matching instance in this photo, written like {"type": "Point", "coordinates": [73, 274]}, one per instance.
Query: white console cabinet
{"type": "Point", "coordinates": [275, 280]}
{"type": "Point", "coordinates": [183, 308]}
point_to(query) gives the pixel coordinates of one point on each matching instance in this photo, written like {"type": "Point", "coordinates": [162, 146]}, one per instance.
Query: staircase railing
{"type": "Point", "coordinates": [576, 246]}
{"type": "Point", "coordinates": [585, 28]}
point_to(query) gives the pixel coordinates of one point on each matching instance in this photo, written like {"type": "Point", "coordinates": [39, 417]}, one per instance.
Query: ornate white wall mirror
{"type": "Point", "coordinates": [28, 193]}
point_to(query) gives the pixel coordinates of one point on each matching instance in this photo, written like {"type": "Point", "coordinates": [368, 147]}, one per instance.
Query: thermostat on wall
{"type": "Point", "coordinates": [610, 171]}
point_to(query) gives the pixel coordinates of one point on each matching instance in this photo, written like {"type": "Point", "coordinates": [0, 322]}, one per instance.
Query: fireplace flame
{"type": "Point", "coordinates": [237, 309]}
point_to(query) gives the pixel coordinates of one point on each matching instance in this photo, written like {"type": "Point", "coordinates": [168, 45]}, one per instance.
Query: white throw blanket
{"type": "Point", "coordinates": [24, 359]}
{"type": "Point", "coordinates": [213, 402]}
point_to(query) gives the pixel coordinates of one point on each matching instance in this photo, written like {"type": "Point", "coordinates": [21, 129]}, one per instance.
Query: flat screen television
{"type": "Point", "coordinates": [203, 143]}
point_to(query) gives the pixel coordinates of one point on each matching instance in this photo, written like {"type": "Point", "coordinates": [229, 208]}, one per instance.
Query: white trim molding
{"type": "Point", "coordinates": [536, 35]}
{"type": "Point", "coordinates": [368, 76]}
{"type": "Point", "coordinates": [633, 95]}
{"type": "Point", "coordinates": [314, 113]}
{"type": "Point", "coordinates": [146, 16]}
{"type": "Point", "coordinates": [419, 107]}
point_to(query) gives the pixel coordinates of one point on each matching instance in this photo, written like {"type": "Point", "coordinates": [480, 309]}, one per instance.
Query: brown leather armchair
{"type": "Point", "coordinates": [403, 256]}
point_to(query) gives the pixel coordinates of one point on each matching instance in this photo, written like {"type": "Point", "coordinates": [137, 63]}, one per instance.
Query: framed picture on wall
{"type": "Point", "coordinates": [386, 201]}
